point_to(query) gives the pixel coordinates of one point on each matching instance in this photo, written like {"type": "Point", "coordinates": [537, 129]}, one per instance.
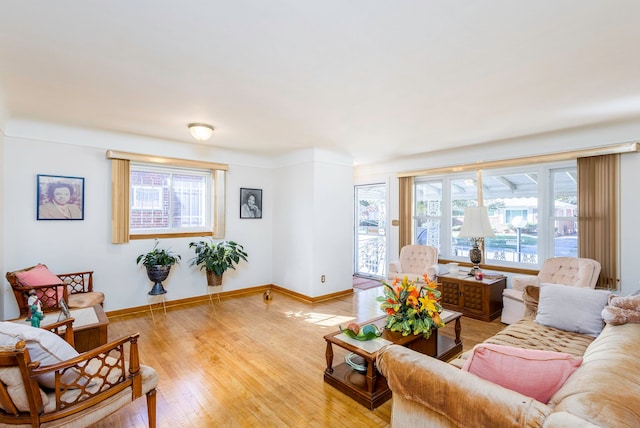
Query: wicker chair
{"type": "Point", "coordinates": [76, 289]}
{"type": "Point", "coordinates": [87, 388]}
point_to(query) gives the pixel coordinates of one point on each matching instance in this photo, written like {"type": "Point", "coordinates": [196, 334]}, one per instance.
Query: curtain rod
{"type": "Point", "coordinates": [136, 157]}
{"type": "Point", "coordinates": [552, 157]}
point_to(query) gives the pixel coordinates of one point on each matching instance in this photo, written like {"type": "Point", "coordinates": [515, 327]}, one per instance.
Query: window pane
{"type": "Point", "coordinates": [428, 213]}
{"type": "Point", "coordinates": [463, 194]}
{"type": "Point", "coordinates": [565, 213]}
{"type": "Point", "coordinates": [169, 199]}
{"type": "Point", "coordinates": [149, 200]}
{"type": "Point", "coordinates": [512, 200]}
{"type": "Point", "coordinates": [189, 197]}
{"type": "Point", "coordinates": [522, 203]}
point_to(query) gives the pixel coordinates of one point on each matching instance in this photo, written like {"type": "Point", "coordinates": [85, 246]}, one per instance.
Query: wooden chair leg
{"type": "Point", "coordinates": [151, 408]}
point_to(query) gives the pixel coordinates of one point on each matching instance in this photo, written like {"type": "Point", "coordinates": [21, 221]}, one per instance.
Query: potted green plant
{"type": "Point", "coordinates": [216, 257]}
{"type": "Point", "coordinates": [158, 263]}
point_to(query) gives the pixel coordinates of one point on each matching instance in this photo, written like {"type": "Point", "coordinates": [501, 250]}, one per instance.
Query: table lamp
{"type": "Point", "coordinates": [476, 226]}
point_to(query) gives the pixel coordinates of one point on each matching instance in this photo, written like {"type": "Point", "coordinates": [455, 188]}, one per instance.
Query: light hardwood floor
{"type": "Point", "coordinates": [247, 362]}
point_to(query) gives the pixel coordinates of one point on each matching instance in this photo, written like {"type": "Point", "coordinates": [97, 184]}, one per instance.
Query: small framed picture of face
{"type": "Point", "coordinates": [250, 203]}
{"type": "Point", "coordinates": [60, 198]}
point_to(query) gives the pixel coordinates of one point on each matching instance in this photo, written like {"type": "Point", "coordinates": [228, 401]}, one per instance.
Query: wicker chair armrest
{"type": "Point", "coordinates": [56, 328]}
{"type": "Point", "coordinates": [94, 375]}
{"type": "Point", "coordinates": [92, 353]}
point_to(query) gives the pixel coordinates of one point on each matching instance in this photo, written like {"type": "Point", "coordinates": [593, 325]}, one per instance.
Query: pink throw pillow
{"type": "Point", "coordinates": [531, 372]}
{"type": "Point", "coordinates": [38, 275]}
{"type": "Point", "coordinates": [41, 275]}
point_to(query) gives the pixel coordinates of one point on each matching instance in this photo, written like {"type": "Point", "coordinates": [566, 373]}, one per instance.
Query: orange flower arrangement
{"type": "Point", "coordinates": [410, 308]}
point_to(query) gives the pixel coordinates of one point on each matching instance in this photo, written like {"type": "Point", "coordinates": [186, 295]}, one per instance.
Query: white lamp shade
{"type": "Point", "coordinates": [476, 223]}
{"type": "Point", "coordinates": [201, 131]}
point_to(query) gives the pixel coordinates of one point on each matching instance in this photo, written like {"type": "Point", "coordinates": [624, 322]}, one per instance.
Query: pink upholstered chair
{"type": "Point", "coordinates": [571, 271]}
{"type": "Point", "coordinates": [414, 261]}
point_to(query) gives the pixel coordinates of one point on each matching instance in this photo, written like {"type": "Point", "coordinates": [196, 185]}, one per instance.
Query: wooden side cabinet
{"type": "Point", "coordinates": [476, 299]}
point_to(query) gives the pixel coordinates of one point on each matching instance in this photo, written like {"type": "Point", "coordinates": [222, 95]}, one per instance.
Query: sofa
{"type": "Point", "coordinates": [603, 391]}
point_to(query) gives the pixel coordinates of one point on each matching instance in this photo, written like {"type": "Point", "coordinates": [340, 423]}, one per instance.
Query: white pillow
{"type": "Point", "coordinates": [12, 378]}
{"type": "Point", "coordinates": [44, 346]}
{"type": "Point", "coordinates": [574, 309]}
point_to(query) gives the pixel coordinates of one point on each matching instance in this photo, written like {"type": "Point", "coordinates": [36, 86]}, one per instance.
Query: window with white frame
{"type": "Point", "coordinates": [564, 216]}
{"type": "Point", "coordinates": [532, 210]}
{"type": "Point", "coordinates": [428, 212]}
{"type": "Point", "coordinates": [170, 199]}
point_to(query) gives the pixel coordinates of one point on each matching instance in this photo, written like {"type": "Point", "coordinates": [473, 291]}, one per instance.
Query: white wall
{"type": "Point", "coordinates": [3, 180]}
{"type": "Point", "coordinates": [292, 243]}
{"type": "Point", "coordinates": [333, 225]}
{"type": "Point", "coordinates": [255, 235]}
{"type": "Point", "coordinates": [67, 246]}
{"type": "Point", "coordinates": [3, 111]}
{"type": "Point", "coordinates": [306, 227]}
{"type": "Point", "coordinates": [574, 139]}
{"type": "Point", "coordinates": [313, 235]}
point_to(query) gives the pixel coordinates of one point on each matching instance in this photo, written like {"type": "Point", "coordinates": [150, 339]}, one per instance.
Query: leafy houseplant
{"type": "Point", "coordinates": [158, 263]}
{"type": "Point", "coordinates": [158, 256]}
{"type": "Point", "coordinates": [216, 257]}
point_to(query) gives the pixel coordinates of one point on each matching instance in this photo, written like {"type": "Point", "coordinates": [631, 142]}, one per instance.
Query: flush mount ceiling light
{"type": "Point", "coordinates": [201, 131]}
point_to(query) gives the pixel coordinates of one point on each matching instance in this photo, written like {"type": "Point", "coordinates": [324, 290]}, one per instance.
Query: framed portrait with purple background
{"type": "Point", "coordinates": [60, 198]}
{"type": "Point", "coordinates": [250, 203]}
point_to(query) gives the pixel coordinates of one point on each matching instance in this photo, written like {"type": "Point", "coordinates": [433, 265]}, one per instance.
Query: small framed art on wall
{"type": "Point", "coordinates": [60, 198]}
{"type": "Point", "coordinates": [250, 203]}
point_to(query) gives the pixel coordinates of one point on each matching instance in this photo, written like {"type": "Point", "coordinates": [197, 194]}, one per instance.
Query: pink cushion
{"type": "Point", "coordinates": [531, 372]}
{"type": "Point", "coordinates": [38, 275]}
{"type": "Point", "coordinates": [41, 275]}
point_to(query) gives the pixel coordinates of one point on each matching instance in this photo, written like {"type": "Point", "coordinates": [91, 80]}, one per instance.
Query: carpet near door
{"type": "Point", "coordinates": [360, 283]}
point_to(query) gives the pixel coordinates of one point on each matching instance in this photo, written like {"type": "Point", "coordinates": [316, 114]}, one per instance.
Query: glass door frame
{"type": "Point", "coordinates": [371, 237]}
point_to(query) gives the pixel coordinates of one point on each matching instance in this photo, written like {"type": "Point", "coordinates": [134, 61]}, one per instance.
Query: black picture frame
{"type": "Point", "coordinates": [250, 209]}
{"type": "Point", "coordinates": [69, 190]}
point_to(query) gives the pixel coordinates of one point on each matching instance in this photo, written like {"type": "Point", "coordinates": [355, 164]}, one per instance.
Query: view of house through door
{"type": "Point", "coordinates": [370, 231]}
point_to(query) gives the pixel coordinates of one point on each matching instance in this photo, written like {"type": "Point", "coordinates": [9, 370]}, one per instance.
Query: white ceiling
{"type": "Point", "coordinates": [376, 79]}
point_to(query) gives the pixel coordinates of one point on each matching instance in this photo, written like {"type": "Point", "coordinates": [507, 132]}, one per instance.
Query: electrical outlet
{"type": "Point", "coordinates": [323, 279]}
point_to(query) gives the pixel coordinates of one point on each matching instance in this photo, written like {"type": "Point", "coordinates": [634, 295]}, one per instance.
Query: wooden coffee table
{"type": "Point", "coordinates": [371, 389]}
{"type": "Point", "coordinates": [89, 327]}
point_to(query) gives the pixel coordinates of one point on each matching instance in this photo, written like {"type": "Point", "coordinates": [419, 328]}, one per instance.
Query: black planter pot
{"type": "Point", "coordinates": [157, 274]}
